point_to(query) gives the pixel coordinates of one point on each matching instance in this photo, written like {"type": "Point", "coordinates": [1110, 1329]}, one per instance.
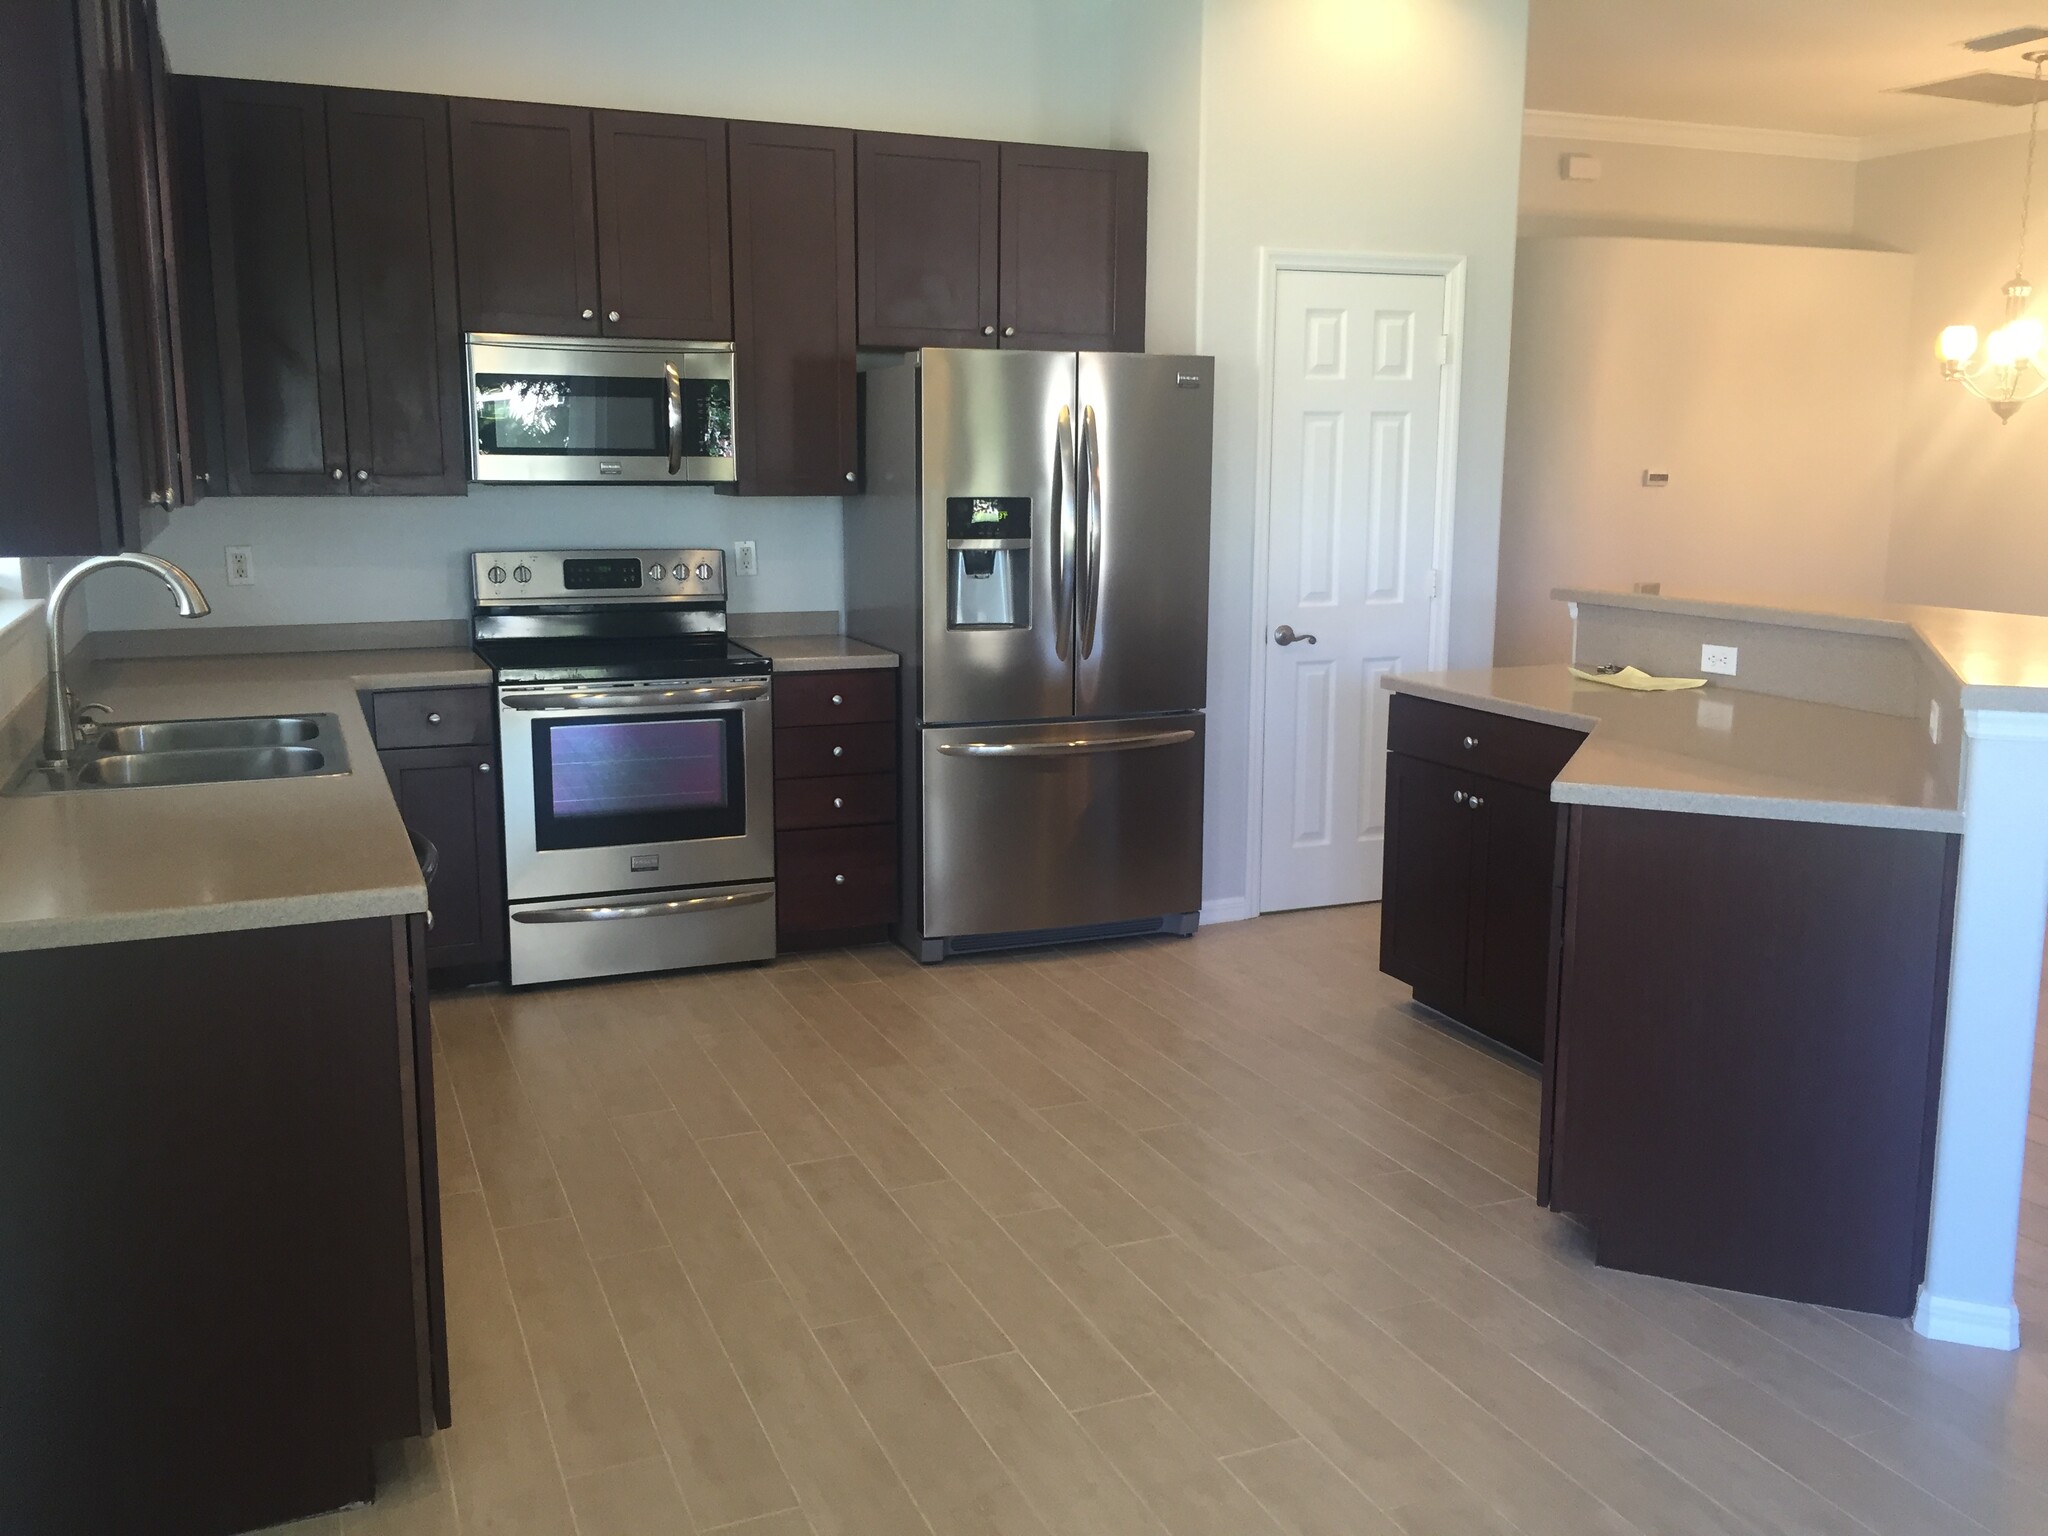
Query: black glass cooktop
{"type": "Point", "coordinates": [646, 659]}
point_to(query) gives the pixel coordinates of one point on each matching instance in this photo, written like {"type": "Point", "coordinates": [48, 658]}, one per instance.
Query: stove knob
{"type": "Point", "coordinates": [682, 570]}
{"type": "Point", "coordinates": [656, 571]}
{"type": "Point", "coordinates": [704, 570]}
{"type": "Point", "coordinates": [495, 574]}
{"type": "Point", "coordinates": [522, 573]}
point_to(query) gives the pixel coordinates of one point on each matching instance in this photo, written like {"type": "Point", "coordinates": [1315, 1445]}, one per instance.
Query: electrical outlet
{"type": "Point", "coordinates": [1718, 658]}
{"type": "Point", "coordinates": [241, 566]}
{"type": "Point", "coordinates": [745, 562]}
{"type": "Point", "coordinates": [1934, 721]}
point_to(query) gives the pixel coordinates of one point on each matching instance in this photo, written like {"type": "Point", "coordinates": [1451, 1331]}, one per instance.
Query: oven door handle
{"type": "Point", "coordinates": [666, 698]}
{"type": "Point", "coordinates": [609, 912]}
{"type": "Point", "coordinates": [675, 421]}
{"type": "Point", "coordinates": [1065, 748]}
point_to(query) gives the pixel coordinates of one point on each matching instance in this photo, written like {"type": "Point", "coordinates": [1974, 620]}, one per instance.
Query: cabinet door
{"type": "Point", "coordinates": [394, 264]}
{"type": "Point", "coordinates": [793, 309]}
{"type": "Point", "coordinates": [1426, 915]}
{"type": "Point", "coordinates": [271, 237]}
{"type": "Point", "coordinates": [664, 254]}
{"type": "Point", "coordinates": [929, 214]}
{"type": "Point", "coordinates": [1073, 268]}
{"type": "Point", "coordinates": [525, 218]}
{"type": "Point", "coordinates": [1513, 914]}
{"type": "Point", "coordinates": [449, 797]}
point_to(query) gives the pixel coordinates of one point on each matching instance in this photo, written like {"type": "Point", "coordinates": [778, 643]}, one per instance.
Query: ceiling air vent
{"type": "Point", "coordinates": [1987, 86]}
{"type": "Point", "coordinates": [2010, 39]}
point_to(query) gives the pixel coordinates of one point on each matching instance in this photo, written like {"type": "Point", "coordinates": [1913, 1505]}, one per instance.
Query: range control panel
{"type": "Point", "coordinates": [596, 575]}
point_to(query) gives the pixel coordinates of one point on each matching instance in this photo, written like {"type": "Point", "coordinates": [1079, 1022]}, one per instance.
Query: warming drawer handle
{"type": "Point", "coordinates": [605, 912]}
{"type": "Point", "coordinates": [663, 698]}
{"type": "Point", "coordinates": [1065, 748]}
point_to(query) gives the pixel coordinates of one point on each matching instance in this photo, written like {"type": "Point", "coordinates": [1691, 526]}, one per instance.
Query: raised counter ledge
{"type": "Point", "coordinates": [1718, 751]}
{"type": "Point", "coordinates": [819, 653]}
{"type": "Point", "coordinates": [106, 866]}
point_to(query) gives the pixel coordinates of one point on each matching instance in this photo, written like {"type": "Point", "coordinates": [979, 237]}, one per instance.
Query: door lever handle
{"type": "Point", "coordinates": [1285, 635]}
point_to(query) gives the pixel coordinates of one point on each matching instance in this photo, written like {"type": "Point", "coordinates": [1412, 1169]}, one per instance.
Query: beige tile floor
{"type": "Point", "coordinates": [1210, 1236]}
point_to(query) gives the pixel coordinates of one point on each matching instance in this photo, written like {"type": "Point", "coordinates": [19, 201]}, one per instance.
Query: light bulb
{"type": "Point", "coordinates": [2028, 337]}
{"type": "Point", "coordinates": [1959, 343]}
{"type": "Point", "coordinates": [2003, 347]}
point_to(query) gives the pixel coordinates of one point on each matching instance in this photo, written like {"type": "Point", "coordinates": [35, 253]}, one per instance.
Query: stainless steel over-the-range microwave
{"type": "Point", "coordinates": [562, 409]}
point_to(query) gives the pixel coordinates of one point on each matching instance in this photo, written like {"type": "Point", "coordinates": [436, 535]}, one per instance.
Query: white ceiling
{"type": "Point", "coordinates": [1807, 66]}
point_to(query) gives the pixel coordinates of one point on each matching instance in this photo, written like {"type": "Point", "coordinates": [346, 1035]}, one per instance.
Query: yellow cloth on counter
{"type": "Point", "coordinates": [1640, 681]}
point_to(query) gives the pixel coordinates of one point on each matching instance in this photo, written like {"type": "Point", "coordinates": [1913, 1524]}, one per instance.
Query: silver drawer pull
{"type": "Point", "coordinates": [839, 879]}
{"type": "Point", "coordinates": [1471, 742]}
{"type": "Point", "coordinates": [433, 719]}
{"type": "Point", "coordinates": [838, 803]}
{"type": "Point", "coordinates": [1064, 748]}
{"type": "Point", "coordinates": [604, 912]}
{"type": "Point", "coordinates": [836, 699]}
{"type": "Point", "coordinates": [839, 751]}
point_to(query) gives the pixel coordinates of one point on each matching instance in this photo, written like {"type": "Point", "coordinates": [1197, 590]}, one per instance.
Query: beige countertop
{"type": "Point", "coordinates": [1719, 751]}
{"type": "Point", "coordinates": [101, 866]}
{"type": "Point", "coordinates": [1998, 660]}
{"type": "Point", "coordinates": [818, 653]}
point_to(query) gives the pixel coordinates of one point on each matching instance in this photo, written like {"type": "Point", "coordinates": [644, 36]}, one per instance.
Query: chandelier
{"type": "Point", "coordinates": [2012, 370]}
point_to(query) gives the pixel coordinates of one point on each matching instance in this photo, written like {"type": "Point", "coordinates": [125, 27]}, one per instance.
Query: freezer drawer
{"type": "Point", "coordinates": [1062, 825]}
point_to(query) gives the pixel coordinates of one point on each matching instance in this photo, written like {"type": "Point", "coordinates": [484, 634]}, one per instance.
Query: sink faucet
{"type": "Point", "coordinates": [60, 720]}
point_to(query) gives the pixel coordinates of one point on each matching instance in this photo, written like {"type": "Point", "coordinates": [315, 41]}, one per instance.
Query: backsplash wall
{"type": "Point", "coordinates": [346, 559]}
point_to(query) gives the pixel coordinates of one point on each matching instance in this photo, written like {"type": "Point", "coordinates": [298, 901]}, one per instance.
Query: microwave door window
{"type": "Point", "coordinates": [600, 783]}
{"type": "Point", "coordinates": [569, 415]}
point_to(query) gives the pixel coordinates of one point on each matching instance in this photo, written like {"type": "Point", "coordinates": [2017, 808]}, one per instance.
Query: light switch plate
{"type": "Point", "coordinates": [745, 562]}
{"type": "Point", "coordinates": [1718, 659]}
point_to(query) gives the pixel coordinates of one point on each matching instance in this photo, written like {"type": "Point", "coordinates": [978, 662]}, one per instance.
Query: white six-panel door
{"type": "Point", "coordinates": [1357, 415]}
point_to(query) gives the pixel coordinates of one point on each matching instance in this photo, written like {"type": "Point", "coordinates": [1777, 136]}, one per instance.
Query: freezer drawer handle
{"type": "Point", "coordinates": [1065, 748]}
{"type": "Point", "coordinates": [657, 698]}
{"type": "Point", "coordinates": [609, 912]}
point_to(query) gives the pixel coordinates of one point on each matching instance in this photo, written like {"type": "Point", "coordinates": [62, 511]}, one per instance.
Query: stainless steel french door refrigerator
{"type": "Point", "coordinates": [1032, 537]}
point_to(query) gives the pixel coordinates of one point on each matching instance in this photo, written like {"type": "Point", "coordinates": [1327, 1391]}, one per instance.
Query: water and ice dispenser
{"type": "Point", "coordinates": [988, 562]}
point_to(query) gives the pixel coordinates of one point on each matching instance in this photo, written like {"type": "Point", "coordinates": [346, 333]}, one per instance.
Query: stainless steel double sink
{"type": "Point", "coordinates": [170, 752]}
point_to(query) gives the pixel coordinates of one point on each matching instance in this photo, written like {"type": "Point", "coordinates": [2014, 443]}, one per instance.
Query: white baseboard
{"type": "Point", "coordinates": [1226, 909]}
{"type": "Point", "coordinates": [1967, 1322]}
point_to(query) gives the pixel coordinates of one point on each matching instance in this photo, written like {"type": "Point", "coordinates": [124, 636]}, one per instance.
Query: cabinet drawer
{"type": "Point", "coordinates": [835, 698]}
{"type": "Point", "coordinates": [854, 800]}
{"type": "Point", "coordinates": [431, 717]}
{"type": "Point", "coordinates": [835, 877]}
{"type": "Point", "coordinates": [814, 751]}
{"type": "Point", "coordinates": [1501, 746]}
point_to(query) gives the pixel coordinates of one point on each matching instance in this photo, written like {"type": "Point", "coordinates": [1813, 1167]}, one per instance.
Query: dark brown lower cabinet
{"type": "Point", "coordinates": [835, 807]}
{"type": "Point", "coordinates": [1748, 1051]}
{"type": "Point", "coordinates": [1472, 865]}
{"type": "Point", "coordinates": [221, 1263]}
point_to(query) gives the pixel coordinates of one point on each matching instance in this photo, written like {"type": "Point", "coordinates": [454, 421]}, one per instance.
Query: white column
{"type": "Point", "coordinates": [1987, 1064]}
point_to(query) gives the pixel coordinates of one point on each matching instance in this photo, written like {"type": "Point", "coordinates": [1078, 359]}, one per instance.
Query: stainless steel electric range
{"type": "Point", "coordinates": [639, 834]}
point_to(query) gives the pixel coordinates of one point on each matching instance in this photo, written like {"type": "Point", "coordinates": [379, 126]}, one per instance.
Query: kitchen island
{"type": "Point", "coordinates": [1791, 938]}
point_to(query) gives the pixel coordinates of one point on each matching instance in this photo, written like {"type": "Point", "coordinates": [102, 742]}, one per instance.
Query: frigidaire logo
{"type": "Point", "coordinates": [1187, 381]}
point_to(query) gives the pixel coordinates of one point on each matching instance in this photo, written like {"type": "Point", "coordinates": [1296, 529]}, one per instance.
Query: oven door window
{"type": "Point", "coordinates": [561, 415]}
{"type": "Point", "coordinates": [641, 778]}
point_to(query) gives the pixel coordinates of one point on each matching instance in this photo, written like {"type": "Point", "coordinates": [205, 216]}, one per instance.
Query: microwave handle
{"type": "Point", "coordinates": [675, 420]}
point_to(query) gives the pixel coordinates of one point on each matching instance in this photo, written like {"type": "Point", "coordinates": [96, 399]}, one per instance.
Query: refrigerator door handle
{"type": "Point", "coordinates": [1071, 748]}
{"type": "Point", "coordinates": [1063, 486]}
{"type": "Point", "coordinates": [1091, 524]}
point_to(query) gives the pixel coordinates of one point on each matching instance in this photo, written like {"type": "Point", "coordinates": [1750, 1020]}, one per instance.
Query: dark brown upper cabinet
{"type": "Point", "coordinates": [524, 220]}
{"type": "Point", "coordinates": [664, 254]}
{"type": "Point", "coordinates": [929, 216]}
{"type": "Point", "coordinates": [92, 426]}
{"type": "Point", "coordinates": [793, 309]}
{"type": "Point", "coordinates": [277, 326]}
{"type": "Point", "coordinates": [403, 393]}
{"type": "Point", "coordinates": [1073, 248]}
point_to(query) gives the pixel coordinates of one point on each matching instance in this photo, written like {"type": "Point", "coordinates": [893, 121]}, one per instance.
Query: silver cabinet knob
{"type": "Point", "coordinates": [334, 474]}
{"type": "Point", "coordinates": [988, 330]}
{"type": "Point", "coordinates": [362, 474]}
{"type": "Point", "coordinates": [433, 718]}
{"type": "Point", "coordinates": [1474, 802]}
{"type": "Point", "coordinates": [849, 477]}
{"type": "Point", "coordinates": [1009, 330]}
{"type": "Point", "coordinates": [1471, 743]}
{"type": "Point", "coordinates": [590, 314]}
{"type": "Point", "coordinates": [839, 879]}
{"type": "Point", "coordinates": [839, 751]}
{"type": "Point", "coordinates": [1457, 797]}
{"type": "Point", "coordinates": [611, 314]}
{"type": "Point", "coordinates": [483, 767]}
{"type": "Point", "coordinates": [838, 802]}
{"type": "Point", "coordinates": [838, 698]}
